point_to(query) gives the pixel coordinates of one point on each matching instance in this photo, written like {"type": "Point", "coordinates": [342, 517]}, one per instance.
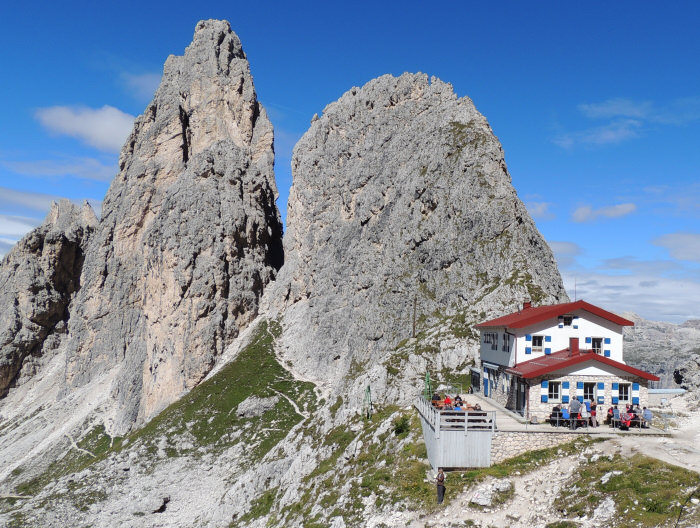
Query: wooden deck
{"type": "Point", "coordinates": [456, 439]}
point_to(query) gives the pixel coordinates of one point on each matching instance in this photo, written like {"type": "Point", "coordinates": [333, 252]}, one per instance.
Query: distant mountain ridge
{"type": "Point", "coordinates": [660, 347]}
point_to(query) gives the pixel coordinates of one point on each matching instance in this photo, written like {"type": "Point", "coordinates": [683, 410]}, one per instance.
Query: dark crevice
{"type": "Point", "coordinates": [185, 122]}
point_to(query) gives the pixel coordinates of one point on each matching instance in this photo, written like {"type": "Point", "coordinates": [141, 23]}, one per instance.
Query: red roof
{"type": "Point", "coordinates": [540, 366]}
{"type": "Point", "coordinates": [530, 316]}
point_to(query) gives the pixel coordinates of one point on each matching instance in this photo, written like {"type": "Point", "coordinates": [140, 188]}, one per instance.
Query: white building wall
{"type": "Point", "coordinates": [587, 325]}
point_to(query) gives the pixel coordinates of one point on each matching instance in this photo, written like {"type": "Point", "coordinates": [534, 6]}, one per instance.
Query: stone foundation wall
{"type": "Point", "coordinates": [509, 444]}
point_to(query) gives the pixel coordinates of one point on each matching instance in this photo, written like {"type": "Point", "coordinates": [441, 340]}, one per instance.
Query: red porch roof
{"type": "Point", "coordinates": [530, 316]}
{"type": "Point", "coordinates": [559, 360]}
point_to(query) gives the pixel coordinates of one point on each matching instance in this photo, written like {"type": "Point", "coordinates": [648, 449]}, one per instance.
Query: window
{"type": "Point", "coordinates": [568, 320]}
{"type": "Point", "coordinates": [537, 343]}
{"type": "Point", "coordinates": [492, 339]}
{"type": "Point", "coordinates": [554, 394]}
{"type": "Point", "coordinates": [589, 391]}
{"type": "Point", "coordinates": [625, 393]}
{"type": "Point", "coordinates": [597, 345]}
{"type": "Point", "coordinates": [506, 343]}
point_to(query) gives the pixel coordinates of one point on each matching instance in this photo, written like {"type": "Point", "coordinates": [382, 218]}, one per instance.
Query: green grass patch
{"type": "Point", "coordinates": [647, 492]}
{"type": "Point", "coordinates": [207, 414]}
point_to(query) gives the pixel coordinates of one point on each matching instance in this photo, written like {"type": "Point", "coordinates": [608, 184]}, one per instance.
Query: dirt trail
{"type": "Point", "coordinates": [532, 503]}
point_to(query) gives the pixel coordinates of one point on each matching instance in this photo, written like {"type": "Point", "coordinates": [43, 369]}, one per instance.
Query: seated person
{"type": "Point", "coordinates": [448, 400]}
{"type": "Point", "coordinates": [457, 406]}
{"type": "Point", "coordinates": [565, 414]}
{"type": "Point", "coordinates": [458, 400]}
{"type": "Point", "coordinates": [634, 418]}
{"type": "Point", "coordinates": [647, 417]}
{"type": "Point", "coordinates": [435, 399]}
{"type": "Point", "coordinates": [625, 421]}
{"type": "Point", "coordinates": [611, 413]}
{"type": "Point", "coordinates": [556, 415]}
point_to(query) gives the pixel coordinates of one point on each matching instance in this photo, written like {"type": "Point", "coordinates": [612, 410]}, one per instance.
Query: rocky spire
{"type": "Point", "coordinates": [190, 233]}
{"type": "Point", "coordinates": [38, 279]}
{"type": "Point", "coordinates": [401, 215]}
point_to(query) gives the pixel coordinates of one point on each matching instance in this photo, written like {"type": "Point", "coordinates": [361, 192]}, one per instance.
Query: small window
{"type": "Point", "coordinates": [506, 343]}
{"type": "Point", "coordinates": [554, 391]}
{"type": "Point", "coordinates": [589, 391]}
{"type": "Point", "coordinates": [568, 320]}
{"type": "Point", "coordinates": [625, 393]}
{"type": "Point", "coordinates": [597, 345]}
{"type": "Point", "coordinates": [537, 343]}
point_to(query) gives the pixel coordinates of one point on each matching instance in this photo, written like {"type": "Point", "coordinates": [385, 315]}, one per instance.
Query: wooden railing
{"type": "Point", "coordinates": [448, 420]}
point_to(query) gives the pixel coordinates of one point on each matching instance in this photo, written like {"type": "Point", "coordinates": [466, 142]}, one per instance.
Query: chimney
{"type": "Point", "coordinates": [573, 346]}
{"type": "Point", "coordinates": [527, 304]}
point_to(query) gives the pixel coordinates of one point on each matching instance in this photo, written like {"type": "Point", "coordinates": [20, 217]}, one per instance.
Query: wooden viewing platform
{"type": "Point", "coordinates": [456, 439]}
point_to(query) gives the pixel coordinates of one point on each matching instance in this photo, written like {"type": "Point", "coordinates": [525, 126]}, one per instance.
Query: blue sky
{"type": "Point", "coordinates": [597, 106]}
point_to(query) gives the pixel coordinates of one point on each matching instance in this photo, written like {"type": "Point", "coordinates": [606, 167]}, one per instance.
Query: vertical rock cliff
{"type": "Point", "coordinates": [38, 279]}
{"type": "Point", "coordinates": [401, 215]}
{"type": "Point", "coordinates": [189, 237]}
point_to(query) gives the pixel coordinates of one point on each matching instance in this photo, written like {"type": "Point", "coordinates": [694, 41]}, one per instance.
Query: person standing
{"type": "Point", "coordinates": [440, 481]}
{"type": "Point", "coordinates": [594, 413]}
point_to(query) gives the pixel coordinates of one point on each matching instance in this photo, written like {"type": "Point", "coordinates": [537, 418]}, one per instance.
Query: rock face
{"type": "Point", "coordinates": [660, 347]}
{"type": "Point", "coordinates": [38, 279]}
{"type": "Point", "coordinates": [688, 375]}
{"type": "Point", "coordinates": [401, 210]}
{"type": "Point", "coordinates": [190, 233]}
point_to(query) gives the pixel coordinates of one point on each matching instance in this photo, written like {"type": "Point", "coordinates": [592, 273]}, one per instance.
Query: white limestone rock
{"type": "Point", "coordinates": [401, 203]}
{"type": "Point", "coordinates": [38, 280]}
{"type": "Point", "coordinates": [190, 233]}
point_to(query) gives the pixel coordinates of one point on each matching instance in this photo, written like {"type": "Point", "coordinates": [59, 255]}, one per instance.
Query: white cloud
{"type": "Point", "coordinates": [85, 168]}
{"type": "Point", "coordinates": [104, 128]}
{"type": "Point", "coordinates": [142, 86]}
{"type": "Point", "coordinates": [586, 213]}
{"type": "Point", "coordinates": [23, 199]}
{"type": "Point", "coordinates": [651, 296]}
{"type": "Point", "coordinates": [616, 108]}
{"type": "Point", "coordinates": [681, 246]}
{"type": "Point", "coordinates": [565, 253]}
{"type": "Point", "coordinates": [627, 120]}
{"type": "Point", "coordinates": [15, 227]}
{"type": "Point", "coordinates": [540, 210]}
{"type": "Point", "coordinates": [614, 132]}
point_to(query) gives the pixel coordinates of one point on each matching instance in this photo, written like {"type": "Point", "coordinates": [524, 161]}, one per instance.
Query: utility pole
{"type": "Point", "coordinates": [415, 305]}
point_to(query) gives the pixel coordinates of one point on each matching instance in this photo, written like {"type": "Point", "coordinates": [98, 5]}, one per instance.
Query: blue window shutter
{"type": "Point", "coordinates": [565, 398]}
{"type": "Point", "coordinates": [616, 386]}
{"type": "Point", "coordinates": [635, 386]}
{"type": "Point", "coordinates": [565, 385]}
{"type": "Point", "coordinates": [561, 325]}
{"type": "Point", "coordinates": [544, 398]}
{"type": "Point", "coordinates": [601, 385]}
{"type": "Point", "coordinates": [528, 338]}
{"type": "Point", "coordinates": [607, 340]}
{"type": "Point", "coordinates": [545, 384]}
{"type": "Point", "coordinates": [579, 384]}
{"type": "Point", "coordinates": [528, 350]}
{"type": "Point", "coordinates": [601, 399]}
{"type": "Point", "coordinates": [615, 400]}
{"type": "Point", "coordinates": [607, 353]}
{"type": "Point", "coordinates": [588, 340]}
{"type": "Point", "coordinates": [547, 339]}
{"type": "Point", "coordinates": [547, 350]}
{"type": "Point", "coordinates": [635, 400]}
{"type": "Point", "coordinates": [575, 327]}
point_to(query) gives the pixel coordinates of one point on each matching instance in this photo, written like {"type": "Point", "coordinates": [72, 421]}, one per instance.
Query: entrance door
{"type": "Point", "coordinates": [486, 386]}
